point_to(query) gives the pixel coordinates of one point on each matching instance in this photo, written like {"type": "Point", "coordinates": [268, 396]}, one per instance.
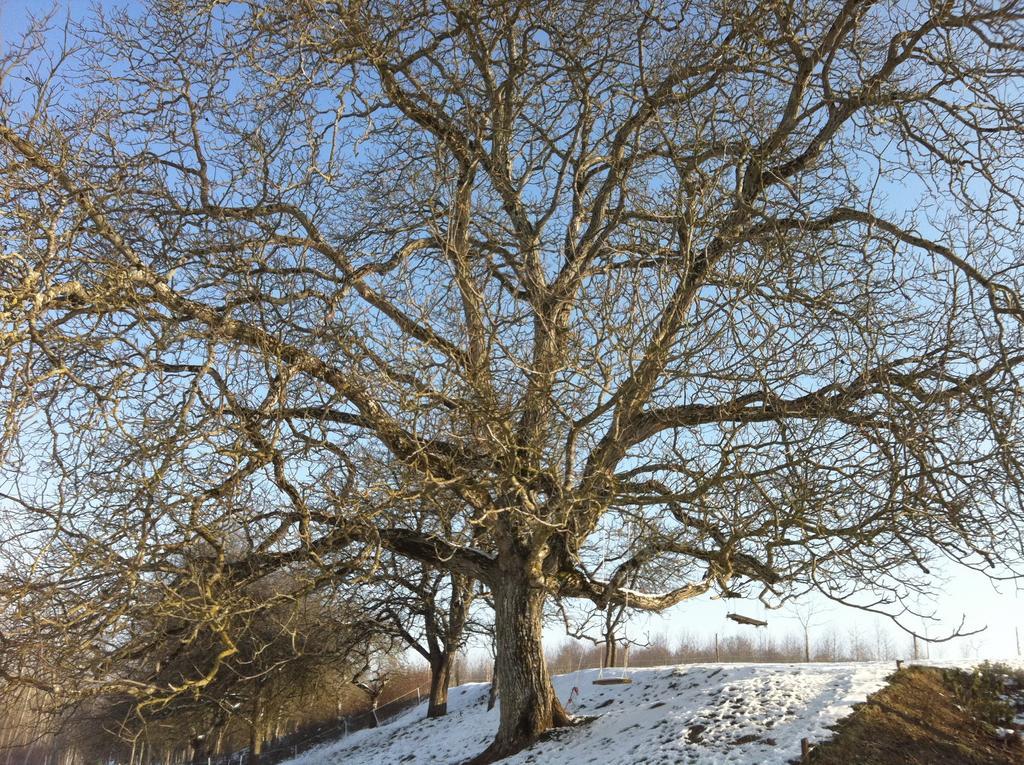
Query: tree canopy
{"type": "Point", "coordinates": [723, 295]}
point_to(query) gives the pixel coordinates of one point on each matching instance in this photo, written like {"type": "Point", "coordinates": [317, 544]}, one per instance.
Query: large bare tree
{"type": "Point", "coordinates": [742, 279]}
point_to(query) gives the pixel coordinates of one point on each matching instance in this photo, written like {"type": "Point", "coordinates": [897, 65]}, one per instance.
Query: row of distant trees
{"type": "Point", "coordinates": [283, 660]}
{"type": "Point", "coordinates": [193, 665]}
{"type": "Point", "coordinates": [790, 646]}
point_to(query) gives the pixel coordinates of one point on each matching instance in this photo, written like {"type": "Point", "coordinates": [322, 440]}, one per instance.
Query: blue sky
{"type": "Point", "coordinates": [15, 14]}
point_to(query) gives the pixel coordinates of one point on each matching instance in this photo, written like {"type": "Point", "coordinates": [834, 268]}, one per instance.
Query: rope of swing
{"type": "Point", "coordinates": [575, 692]}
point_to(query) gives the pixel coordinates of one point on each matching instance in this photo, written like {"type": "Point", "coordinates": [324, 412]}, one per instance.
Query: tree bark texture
{"type": "Point", "coordinates": [440, 674]}
{"type": "Point", "coordinates": [527, 704]}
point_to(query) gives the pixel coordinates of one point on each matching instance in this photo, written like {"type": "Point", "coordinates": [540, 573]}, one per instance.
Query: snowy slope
{"type": "Point", "coordinates": [697, 713]}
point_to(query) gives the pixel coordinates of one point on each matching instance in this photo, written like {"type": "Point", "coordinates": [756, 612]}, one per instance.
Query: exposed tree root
{"type": "Point", "coordinates": [500, 749]}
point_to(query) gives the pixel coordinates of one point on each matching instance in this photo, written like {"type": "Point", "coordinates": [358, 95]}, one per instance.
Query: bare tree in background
{"type": "Point", "coordinates": [428, 607]}
{"type": "Point", "coordinates": [745, 275]}
{"type": "Point", "coordinates": [808, 615]}
{"type": "Point", "coordinates": [429, 610]}
{"type": "Point", "coordinates": [603, 625]}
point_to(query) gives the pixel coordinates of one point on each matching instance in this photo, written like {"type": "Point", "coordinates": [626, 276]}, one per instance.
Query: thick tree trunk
{"type": "Point", "coordinates": [218, 747]}
{"type": "Point", "coordinates": [199, 748]}
{"type": "Point", "coordinates": [255, 746]}
{"type": "Point", "coordinates": [256, 729]}
{"type": "Point", "coordinates": [440, 674]}
{"type": "Point", "coordinates": [527, 702]}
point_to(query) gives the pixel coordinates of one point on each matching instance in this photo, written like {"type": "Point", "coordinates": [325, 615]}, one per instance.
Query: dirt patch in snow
{"type": "Point", "coordinates": [929, 715]}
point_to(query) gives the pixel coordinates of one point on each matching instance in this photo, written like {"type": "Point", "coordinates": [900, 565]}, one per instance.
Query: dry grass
{"type": "Point", "coordinates": [926, 716]}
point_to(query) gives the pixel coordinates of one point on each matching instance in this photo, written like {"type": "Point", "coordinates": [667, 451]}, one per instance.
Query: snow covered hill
{"type": "Point", "coordinates": [696, 713]}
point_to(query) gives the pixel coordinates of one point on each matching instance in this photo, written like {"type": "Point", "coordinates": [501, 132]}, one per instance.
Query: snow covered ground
{"type": "Point", "coordinates": [703, 714]}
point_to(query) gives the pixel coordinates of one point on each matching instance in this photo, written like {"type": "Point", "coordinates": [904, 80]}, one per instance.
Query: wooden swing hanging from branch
{"type": "Point", "coordinates": [749, 620]}
{"type": "Point", "coordinates": [623, 678]}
